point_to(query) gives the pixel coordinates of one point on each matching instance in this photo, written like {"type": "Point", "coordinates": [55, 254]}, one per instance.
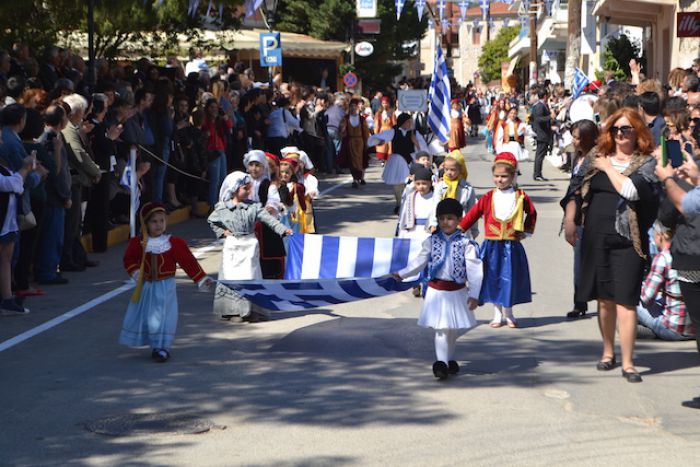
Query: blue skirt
{"type": "Point", "coordinates": [506, 273]}
{"type": "Point", "coordinates": [153, 319]}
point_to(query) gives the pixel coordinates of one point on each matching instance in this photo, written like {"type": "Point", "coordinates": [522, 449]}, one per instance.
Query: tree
{"type": "Point", "coordinates": [494, 52]}
{"type": "Point", "coordinates": [39, 23]}
{"type": "Point", "coordinates": [332, 19]}
{"type": "Point", "coordinates": [617, 55]}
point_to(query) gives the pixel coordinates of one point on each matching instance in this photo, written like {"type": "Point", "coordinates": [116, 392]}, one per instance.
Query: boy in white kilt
{"type": "Point", "coordinates": [454, 274]}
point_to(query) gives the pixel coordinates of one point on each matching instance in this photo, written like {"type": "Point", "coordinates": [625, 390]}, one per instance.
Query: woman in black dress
{"type": "Point", "coordinates": [619, 199]}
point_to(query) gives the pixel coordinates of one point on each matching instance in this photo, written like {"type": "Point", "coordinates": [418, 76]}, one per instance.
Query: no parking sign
{"type": "Point", "coordinates": [350, 79]}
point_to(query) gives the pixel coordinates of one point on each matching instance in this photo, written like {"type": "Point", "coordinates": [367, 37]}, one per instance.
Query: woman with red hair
{"type": "Point", "coordinates": [619, 197]}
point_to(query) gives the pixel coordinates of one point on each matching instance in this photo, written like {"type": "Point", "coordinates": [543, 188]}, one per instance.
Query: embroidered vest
{"type": "Point", "coordinates": [455, 246]}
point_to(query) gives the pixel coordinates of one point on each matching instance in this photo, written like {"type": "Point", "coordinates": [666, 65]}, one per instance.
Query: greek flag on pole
{"type": "Point", "coordinates": [420, 5]}
{"type": "Point", "coordinates": [251, 6]}
{"type": "Point", "coordinates": [580, 82]}
{"type": "Point", "coordinates": [329, 257]}
{"type": "Point", "coordinates": [399, 8]}
{"type": "Point", "coordinates": [439, 111]}
{"type": "Point", "coordinates": [125, 181]}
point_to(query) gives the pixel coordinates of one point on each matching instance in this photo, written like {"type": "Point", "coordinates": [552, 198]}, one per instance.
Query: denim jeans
{"type": "Point", "coordinates": [217, 172]}
{"type": "Point", "coordinates": [51, 244]}
{"type": "Point", "coordinates": [333, 149]}
{"type": "Point", "coordinates": [650, 317]}
{"type": "Point", "coordinates": [159, 175]}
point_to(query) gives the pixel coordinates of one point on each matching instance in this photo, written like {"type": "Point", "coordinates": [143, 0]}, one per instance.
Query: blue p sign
{"type": "Point", "coordinates": [270, 49]}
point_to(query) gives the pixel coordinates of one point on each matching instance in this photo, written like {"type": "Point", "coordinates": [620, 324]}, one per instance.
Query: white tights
{"type": "Point", "coordinates": [502, 312]}
{"type": "Point", "coordinates": [445, 343]}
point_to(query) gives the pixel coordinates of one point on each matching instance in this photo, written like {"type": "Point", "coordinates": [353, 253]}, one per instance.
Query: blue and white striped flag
{"type": "Point", "coordinates": [420, 5]}
{"type": "Point", "coordinates": [399, 8]}
{"type": "Point", "coordinates": [329, 257]}
{"type": "Point", "coordinates": [439, 112]}
{"type": "Point", "coordinates": [580, 82]}
{"type": "Point", "coordinates": [303, 295]}
{"type": "Point", "coordinates": [463, 6]}
{"type": "Point", "coordinates": [251, 6]}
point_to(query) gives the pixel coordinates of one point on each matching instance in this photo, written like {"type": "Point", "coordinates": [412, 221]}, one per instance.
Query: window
{"type": "Point", "coordinates": [476, 36]}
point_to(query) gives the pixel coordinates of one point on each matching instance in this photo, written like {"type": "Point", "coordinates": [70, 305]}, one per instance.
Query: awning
{"type": "Point", "coordinates": [632, 12]}
{"type": "Point", "coordinates": [513, 63]}
{"type": "Point", "coordinates": [217, 43]}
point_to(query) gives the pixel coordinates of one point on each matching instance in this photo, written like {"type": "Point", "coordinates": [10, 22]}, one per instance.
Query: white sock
{"type": "Point", "coordinates": [442, 345]}
{"type": "Point", "coordinates": [497, 314]}
{"type": "Point", "coordinates": [452, 336]}
{"type": "Point", "coordinates": [508, 312]}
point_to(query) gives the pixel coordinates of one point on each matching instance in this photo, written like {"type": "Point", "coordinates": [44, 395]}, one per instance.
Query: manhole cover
{"type": "Point", "coordinates": [149, 424]}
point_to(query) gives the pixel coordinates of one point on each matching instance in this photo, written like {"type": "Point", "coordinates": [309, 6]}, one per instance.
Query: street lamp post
{"type": "Point", "coordinates": [269, 9]}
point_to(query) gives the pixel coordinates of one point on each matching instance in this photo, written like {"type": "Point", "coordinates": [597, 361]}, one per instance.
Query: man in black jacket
{"type": "Point", "coordinates": [541, 121]}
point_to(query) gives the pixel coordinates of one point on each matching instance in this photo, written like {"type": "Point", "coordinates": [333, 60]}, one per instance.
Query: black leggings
{"type": "Point", "coordinates": [691, 296]}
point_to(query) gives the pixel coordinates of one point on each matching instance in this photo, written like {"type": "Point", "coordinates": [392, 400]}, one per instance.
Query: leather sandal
{"type": "Point", "coordinates": [496, 324]}
{"type": "Point", "coordinates": [606, 364]}
{"type": "Point", "coordinates": [631, 375]}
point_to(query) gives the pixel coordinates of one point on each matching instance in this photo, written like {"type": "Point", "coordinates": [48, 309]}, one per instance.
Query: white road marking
{"type": "Point", "coordinates": [52, 323]}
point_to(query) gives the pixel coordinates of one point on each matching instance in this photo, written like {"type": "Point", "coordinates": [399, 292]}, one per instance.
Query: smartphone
{"type": "Point", "coordinates": [688, 147]}
{"type": "Point", "coordinates": [673, 152]}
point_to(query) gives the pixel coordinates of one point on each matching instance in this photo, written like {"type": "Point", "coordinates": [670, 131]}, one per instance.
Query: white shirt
{"type": "Point", "coordinates": [14, 185]}
{"type": "Point", "coordinates": [504, 203]}
{"type": "Point", "coordinates": [474, 266]}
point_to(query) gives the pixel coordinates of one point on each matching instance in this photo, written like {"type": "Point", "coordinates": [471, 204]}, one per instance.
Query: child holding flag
{"type": "Point", "coordinates": [454, 280]}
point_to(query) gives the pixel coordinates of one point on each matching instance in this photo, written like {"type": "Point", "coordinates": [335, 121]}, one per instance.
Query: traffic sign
{"type": "Point", "coordinates": [270, 49]}
{"type": "Point", "coordinates": [350, 79]}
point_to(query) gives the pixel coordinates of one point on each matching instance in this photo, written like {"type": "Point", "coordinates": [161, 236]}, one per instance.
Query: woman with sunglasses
{"type": "Point", "coordinates": [619, 200]}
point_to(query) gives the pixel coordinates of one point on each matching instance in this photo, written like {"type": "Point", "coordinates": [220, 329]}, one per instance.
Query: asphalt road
{"type": "Point", "coordinates": [347, 385]}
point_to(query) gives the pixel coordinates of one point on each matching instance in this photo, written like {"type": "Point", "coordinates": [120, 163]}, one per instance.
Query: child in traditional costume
{"type": "Point", "coordinates": [355, 133]}
{"type": "Point", "coordinates": [404, 142]}
{"type": "Point", "coordinates": [264, 191]}
{"type": "Point", "coordinates": [454, 185]}
{"type": "Point", "coordinates": [457, 124]}
{"type": "Point", "coordinates": [417, 205]}
{"type": "Point", "coordinates": [510, 136]}
{"type": "Point", "coordinates": [293, 196]}
{"type": "Point", "coordinates": [384, 119]}
{"type": "Point", "coordinates": [152, 259]}
{"type": "Point", "coordinates": [304, 174]}
{"type": "Point", "coordinates": [234, 219]}
{"type": "Point", "coordinates": [509, 216]}
{"type": "Point", "coordinates": [454, 279]}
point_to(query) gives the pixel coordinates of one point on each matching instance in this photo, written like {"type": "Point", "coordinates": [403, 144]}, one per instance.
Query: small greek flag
{"type": "Point", "coordinates": [580, 82]}
{"type": "Point", "coordinates": [125, 181]}
{"type": "Point", "coordinates": [439, 111]}
{"type": "Point", "coordinates": [251, 6]}
{"type": "Point", "coordinates": [420, 6]}
{"type": "Point", "coordinates": [441, 9]}
{"type": "Point", "coordinates": [329, 257]}
{"type": "Point", "coordinates": [484, 5]}
{"type": "Point", "coordinates": [463, 6]}
{"type": "Point", "coordinates": [399, 8]}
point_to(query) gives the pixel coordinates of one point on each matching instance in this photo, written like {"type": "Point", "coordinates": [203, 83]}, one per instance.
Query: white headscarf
{"type": "Point", "coordinates": [232, 183]}
{"type": "Point", "coordinates": [303, 157]}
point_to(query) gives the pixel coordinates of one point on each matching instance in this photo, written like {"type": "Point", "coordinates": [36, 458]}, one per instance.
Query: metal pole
{"type": "Point", "coordinates": [91, 44]}
{"type": "Point", "coordinates": [533, 41]}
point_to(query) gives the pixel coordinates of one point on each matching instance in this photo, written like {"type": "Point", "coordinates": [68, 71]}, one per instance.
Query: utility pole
{"type": "Point", "coordinates": [573, 42]}
{"type": "Point", "coordinates": [534, 5]}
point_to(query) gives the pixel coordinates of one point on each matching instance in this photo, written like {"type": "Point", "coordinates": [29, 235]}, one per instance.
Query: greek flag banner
{"type": "Point", "coordinates": [399, 8]}
{"type": "Point", "coordinates": [441, 9]}
{"type": "Point", "coordinates": [580, 82]}
{"type": "Point", "coordinates": [420, 5]}
{"type": "Point", "coordinates": [302, 295]}
{"type": "Point", "coordinates": [329, 257]}
{"type": "Point", "coordinates": [439, 112]}
{"type": "Point", "coordinates": [463, 6]}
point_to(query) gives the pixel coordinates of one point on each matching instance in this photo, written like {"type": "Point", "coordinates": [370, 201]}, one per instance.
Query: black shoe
{"type": "Point", "coordinates": [71, 267]}
{"type": "Point", "coordinates": [91, 264]}
{"type": "Point", "coordinates": [363, 182]}
{"type": "Point", "coordinates": [540, 178]}
{"type": "Point", "coordinates": [452, 367]}
{"type": "Point", "coordinates": [440, 370]}
{"type": "Point", "coordinates": [574, 314]}
{"type": "Point", "coordinates": [12, 306]}
{"type": "Point", "coordinates": [607, 364]}
{"type": "Point", "coordinates": [692, 404]}
{"type": "Point", "coordinates": [396, 210]}
{"type": "Point", "coordinates": [160, 355]}
{"type": "Point", "coordinates": [631, 376]}
{"type": "Point", "coordinates": [355, 185]}
{"type": "Point", "coordinates": [58, 280]}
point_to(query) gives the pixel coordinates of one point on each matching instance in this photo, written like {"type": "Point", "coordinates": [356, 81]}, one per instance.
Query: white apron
{"type": "Point", "coordinates": [240, 260]}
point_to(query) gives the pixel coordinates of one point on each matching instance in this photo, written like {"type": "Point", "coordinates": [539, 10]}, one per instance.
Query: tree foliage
{"type": "Point", "coordinates": [40, 23]}
{"type": "Point", "coordinates": [617, 55]}
{"type": "Point", "coordinates": [494, 52]}
{"type": "Point", "coordinates": [332, 19]}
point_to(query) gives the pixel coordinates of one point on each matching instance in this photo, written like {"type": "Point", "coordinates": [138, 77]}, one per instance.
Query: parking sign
{"type": "Point", "coordinates": [270, 49]}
